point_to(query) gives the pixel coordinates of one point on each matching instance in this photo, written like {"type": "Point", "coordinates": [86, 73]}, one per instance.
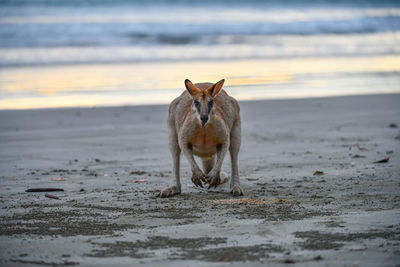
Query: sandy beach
{"type": "Point", "coordinates": [111, 160]}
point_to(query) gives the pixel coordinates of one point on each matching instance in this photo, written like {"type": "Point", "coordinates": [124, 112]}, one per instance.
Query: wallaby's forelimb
{"type": "Point", "coordinates": [197, 173]}
{"type": "Point", "coordinates": [213, 178]}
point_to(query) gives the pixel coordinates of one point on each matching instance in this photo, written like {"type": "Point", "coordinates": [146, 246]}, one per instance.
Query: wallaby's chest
{"type": "Point", "coordinates": [204, 145]}
{"type": "Point", "coordinates": [204, 137]}
{"type": "Point", "coordinates": [205, 140]}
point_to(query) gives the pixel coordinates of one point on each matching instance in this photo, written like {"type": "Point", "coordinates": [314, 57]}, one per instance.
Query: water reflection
{"type": "Point", "coordinates": [153, 83]}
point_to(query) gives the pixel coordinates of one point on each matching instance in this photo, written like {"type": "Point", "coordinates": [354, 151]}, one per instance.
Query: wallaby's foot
{"type": "Point", "coordinates": [213, 179]}
{"type": "Point", "coordinates": [170, 191]}
{"type": "Point", "coordinates": [237, 191]}
{"type": "Point", "coordinates": [198, 177]}
{"type": "Point", "coordinates": [224, 177]}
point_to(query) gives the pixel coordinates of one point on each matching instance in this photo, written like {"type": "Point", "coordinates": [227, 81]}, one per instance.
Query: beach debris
{"type": "Point", "coordinates": [289, 261]}
{"type": "Point", "coordinates": [92, 173]}
{"type": "Point", "coordinates": [248, 200]}
{"type": "Point", "coordinates": [137, 172]}
{"type": "Point", "coordinates": [253, 179]}
{"type": "Point", "coordinates": [97, 160]}
{"type": "Point", "coordinates": [393, 125]}
{"type": "Point", "coordinates": [51, 196]}
{"type": "Point", "coordinates": [318, 258]}
{"type": "Point", "coordinates": [82, 190]}
{"type": "Point", "coordinates": [382, 160]}
{"type": "Point", "coordinates": [358, 156]}
{"type": "Point", "coordinates": [157, 191]}
{"type": "Point", "coordinates": [389, 152]}
{"type": "Point", "coordinates": [57, 179]}
{"type": "Point", "coordinates": [318, 173]}
{"type": "Point", "coordinates": [45, 189]}
{"type": "Point", "coordinates": [140, 180]}
{"type": "Point", "coordinates": [357, 146]}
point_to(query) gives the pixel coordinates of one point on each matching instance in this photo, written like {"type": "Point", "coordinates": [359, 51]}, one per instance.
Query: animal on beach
{"type": "Point", "coordinates": [204, 121]}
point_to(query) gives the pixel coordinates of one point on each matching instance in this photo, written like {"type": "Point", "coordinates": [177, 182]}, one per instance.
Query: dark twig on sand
{"type": "Point", "coordinates": [51, 196]}
{"type": "Point", "coordinates": [382, 160]}
{"type": "Point", "coordinates": [43, 189]}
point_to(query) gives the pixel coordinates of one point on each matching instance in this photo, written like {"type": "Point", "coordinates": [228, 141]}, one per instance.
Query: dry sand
{"type": "Point", "coordinates": [349, 215]}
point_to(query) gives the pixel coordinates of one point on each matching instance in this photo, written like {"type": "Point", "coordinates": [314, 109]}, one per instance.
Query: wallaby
{"type": "Point", "coordinates": [204, 121]}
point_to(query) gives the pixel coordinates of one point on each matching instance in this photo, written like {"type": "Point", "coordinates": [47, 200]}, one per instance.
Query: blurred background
{"type": "Point", "coordinates": [65, 53]}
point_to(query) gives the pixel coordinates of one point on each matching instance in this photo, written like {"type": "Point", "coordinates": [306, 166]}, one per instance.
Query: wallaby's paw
{"type": "Point", "coordinates": [237, 191]}
{"type": "Point", "coordinates": [197, 178]}
{"type": "Point", "coordinates": [197, 181]}
{"type": "Point", "coordinates": [170, 191]}
{"type": "Point", "coordinates": [213, 179]}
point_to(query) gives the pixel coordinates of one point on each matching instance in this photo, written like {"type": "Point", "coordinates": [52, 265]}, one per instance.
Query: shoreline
{"type": "Point", "coordinates": [167, 104]}
{"type": "Point", "coordinates": [112, 85]}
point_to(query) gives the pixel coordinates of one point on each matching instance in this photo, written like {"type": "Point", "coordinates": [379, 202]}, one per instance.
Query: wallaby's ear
{"type": "Point", "coordinates": [191, 87]}
{"type": "Point", "coordinates": [215, 88]}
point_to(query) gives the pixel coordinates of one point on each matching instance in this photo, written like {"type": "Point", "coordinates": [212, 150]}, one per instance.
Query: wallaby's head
{"type": "Point", "coordinates": [203, 100]}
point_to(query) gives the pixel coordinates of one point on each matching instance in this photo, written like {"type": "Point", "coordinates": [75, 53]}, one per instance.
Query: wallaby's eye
{"type": "Point", "coordinates": [196, 103]}
{"type": "Point", "coordinates": [210, 104]}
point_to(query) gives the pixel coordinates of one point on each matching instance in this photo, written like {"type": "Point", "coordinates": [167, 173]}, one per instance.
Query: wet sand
{"type": "Point", "coordinates": [111, 160]}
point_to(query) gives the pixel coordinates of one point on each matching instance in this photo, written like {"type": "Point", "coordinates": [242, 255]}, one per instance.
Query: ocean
{"type": "Point", "coordinates": [59, 53]}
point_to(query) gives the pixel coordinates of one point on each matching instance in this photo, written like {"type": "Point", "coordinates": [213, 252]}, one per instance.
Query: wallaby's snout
{"type": "Point", "coordinates": [204, 118]}
{"type": "Point", "coordinates": [204, 109]}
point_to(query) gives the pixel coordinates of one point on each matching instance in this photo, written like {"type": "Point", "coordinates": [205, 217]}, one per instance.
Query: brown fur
{"type": "Point", "coordinates": [199, 128]}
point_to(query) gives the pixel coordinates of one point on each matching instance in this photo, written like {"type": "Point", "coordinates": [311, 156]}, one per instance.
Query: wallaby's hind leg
{"type": "Point", "coordinates": [208, 164]}
{"type": "Point", "coordinates": [174, 187]}
{"type": "Point", "coordinates": [234, 151]}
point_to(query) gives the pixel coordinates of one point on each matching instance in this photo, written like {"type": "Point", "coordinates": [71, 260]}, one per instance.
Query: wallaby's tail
{"type": "Point", "coordinates": [224, 177]}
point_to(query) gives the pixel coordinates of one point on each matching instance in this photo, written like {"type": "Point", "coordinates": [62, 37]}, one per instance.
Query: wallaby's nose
{"type": "Point", "coordinates": [204, 119]}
